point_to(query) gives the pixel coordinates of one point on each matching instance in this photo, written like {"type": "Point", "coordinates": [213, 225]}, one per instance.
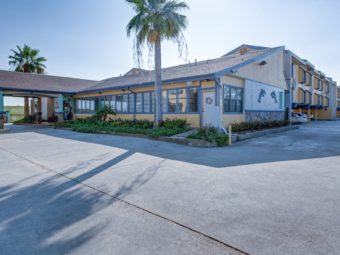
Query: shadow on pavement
{"type": "Point", "coordinates": [316, 140]}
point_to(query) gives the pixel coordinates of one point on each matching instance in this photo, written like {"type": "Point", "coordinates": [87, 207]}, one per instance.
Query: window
{"type": "Point", "coordinates": [139, 102]}
{"type": "Point", "coordinates": [119, 103]}
{"type": "Point", "coordinates": [125, 102]}
{"type": "Point", "coordinates": [232, 99]}
{"type": "Point", "coordinates": [113, 102]}
{"type": "Point", "coordinates": [172, 100]}
{"type": "Point", "coordinates": [164, 100]}
{"type": "Point", "coordinates": [146, 101]}
{"type": "Point", "coordinates": [85, 105]}
{"type": "Point", "coordinates": [153, 101]}
{"type": "Point", "coordinates": [182, 100]}
{"type": "Point", "coordinates": [131, 103]}
{"type": "Point", "coordinates": [193, 100]}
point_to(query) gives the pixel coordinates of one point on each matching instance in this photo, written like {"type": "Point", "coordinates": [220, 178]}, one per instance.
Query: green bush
{"type": "Point", "coordinates": [103, 112]}
{"type": "Point", "coordinates": [23, 120]}
{"type": "Point", "coordinates": [210, 134]}
{"type": "Point", "coordinates": [257, 125]}
{"type": "Point", "coordinates": [174, 123]}
{"type": "Point", "coordinates": [163, 131]}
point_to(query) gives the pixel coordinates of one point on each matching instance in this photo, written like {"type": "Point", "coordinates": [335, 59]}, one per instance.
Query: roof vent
{"type": "Point", "coordinates": [243, 50]}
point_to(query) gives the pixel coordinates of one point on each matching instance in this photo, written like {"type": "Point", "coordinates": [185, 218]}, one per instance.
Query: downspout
{"type": "Point", "coordinates": [218, 101]}
{"type": "Point", "coordinates": [134, 105]}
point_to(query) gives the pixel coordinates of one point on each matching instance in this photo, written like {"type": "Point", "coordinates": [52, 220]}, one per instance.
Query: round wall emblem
{"type": "Point", "coordinates": [209, 100]}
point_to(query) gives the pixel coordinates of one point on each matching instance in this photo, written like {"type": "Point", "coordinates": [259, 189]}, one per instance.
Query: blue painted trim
{"type": "Point", "coordinates": [248, 62]}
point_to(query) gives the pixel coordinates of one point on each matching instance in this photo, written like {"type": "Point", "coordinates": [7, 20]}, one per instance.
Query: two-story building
{"type": "Point", "coordinates": [311, 91]}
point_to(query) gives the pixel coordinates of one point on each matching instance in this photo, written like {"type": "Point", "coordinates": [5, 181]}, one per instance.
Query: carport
{"type": "Point", "coordinates": [55, 93]}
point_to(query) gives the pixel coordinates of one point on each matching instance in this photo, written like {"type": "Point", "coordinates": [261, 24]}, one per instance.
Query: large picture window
{"type": "Point", "coordinates": [232, 99]}
{"type": "Point", "coordinates": [181, 100]}
{"type": "Point", "coordinates": [85, 105]}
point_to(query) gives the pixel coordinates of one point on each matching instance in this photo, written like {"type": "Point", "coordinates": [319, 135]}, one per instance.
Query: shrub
{"type": "Point", "coordinates": [23, 120]}
{"type": "Point", "coordinates": [174, 123]}
{"type": "Point", "coordinates": [210, 134]}
{"type": "Point", "coordinates": [163, 131]}
{"type": "Point", "coordinates": [101, 114]}
{"type": "Point", "coordinates": [257, 125]}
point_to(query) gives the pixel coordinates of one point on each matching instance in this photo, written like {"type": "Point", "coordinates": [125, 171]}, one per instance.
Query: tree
{"type": "Point", "coordinates": [155, 21]}
{"type": "Point", "coordinates": [27, 60]}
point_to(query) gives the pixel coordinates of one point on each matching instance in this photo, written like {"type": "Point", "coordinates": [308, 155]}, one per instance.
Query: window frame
{"type": "Point", "coordinates": [187, 108]}
{"type": "Point", "coordinates": [234, 101]}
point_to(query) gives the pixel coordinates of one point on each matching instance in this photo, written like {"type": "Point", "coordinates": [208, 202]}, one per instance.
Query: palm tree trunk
{"type": "Point", "coordinates": [158, 83]}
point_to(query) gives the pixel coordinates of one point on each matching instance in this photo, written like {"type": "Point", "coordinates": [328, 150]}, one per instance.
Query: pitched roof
{"type": "Point", "coordinates": [199, 69]}
{"type": "Point", "coordinates": [43, 83]}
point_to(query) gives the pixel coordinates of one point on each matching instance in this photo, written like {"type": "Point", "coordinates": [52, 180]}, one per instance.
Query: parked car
{"type": "Point", "coordinates": [298, 117]}
{"type": "Point", "coordinates": [295, 118]}
{"type": "Point", "coordinates": [302, 117]}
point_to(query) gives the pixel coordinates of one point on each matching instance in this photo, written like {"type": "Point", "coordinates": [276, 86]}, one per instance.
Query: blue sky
{"type": "Point", "coordinates": [87, 38]}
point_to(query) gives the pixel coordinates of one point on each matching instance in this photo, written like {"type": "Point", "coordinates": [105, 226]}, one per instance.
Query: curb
{"type": "Point", "coordinates": [242, 137]}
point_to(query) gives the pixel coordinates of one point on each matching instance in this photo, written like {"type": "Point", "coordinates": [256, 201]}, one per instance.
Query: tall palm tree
{"type": "Point", "coordinates": [27, 60]}
{"type": "Point", "coordinates": [157, 20]}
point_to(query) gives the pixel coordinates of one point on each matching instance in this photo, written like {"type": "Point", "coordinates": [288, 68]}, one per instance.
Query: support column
{"type": "Point", "coordinates": [39, 109]}
{"type": "Point", "coordinates": [2, 110]}
{"type": "Point", "coordinates": [26, 108]}
{"type": "Point", "coordinates": [316, 115]}
{"type": "Point", "coordinates": [59, 108]}
{"type": "Point", "coordinates": [308, 116]}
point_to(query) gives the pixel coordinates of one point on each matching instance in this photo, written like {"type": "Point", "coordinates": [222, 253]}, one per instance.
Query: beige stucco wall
{"type": "Point", "coordinates": [233, 81]}
{"type": "Point", "coordinates": [272, 73]}
{"type": "Point", "coordinates": [229, 118]}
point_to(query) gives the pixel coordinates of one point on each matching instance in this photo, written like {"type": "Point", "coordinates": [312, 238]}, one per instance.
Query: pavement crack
{"type": "Point", "coordinates": [182, 225]}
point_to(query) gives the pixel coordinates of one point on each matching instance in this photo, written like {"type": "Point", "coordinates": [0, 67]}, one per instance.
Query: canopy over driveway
{"type": "Point", "coordinates": [36, 86]}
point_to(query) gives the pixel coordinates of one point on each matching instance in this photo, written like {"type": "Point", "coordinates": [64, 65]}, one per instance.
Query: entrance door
{"type": "Point", "coordinates": [211, 112]}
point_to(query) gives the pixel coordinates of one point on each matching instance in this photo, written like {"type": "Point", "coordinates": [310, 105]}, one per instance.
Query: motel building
{"type": "Point", "coordinates": [250, 83]}
{"type": "Point", "coordinates": [338, 102]}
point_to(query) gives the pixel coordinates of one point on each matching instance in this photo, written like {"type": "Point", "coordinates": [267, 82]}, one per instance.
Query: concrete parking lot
{"type": "Point", "coordinates": [63, 192]}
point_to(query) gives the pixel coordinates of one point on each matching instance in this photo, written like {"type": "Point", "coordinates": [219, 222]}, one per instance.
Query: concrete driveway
{"type": "Point", "coordinates": [69, 193]}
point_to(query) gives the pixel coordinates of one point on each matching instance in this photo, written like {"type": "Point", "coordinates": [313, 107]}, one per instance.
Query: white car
{"type": "Point", "coordinates": [298, 117]}
{"type": "Point", "coordinates": [295, 118]}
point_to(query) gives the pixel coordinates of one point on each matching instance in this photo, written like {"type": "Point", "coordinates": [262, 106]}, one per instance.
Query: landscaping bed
{"type": "Point", "coordinates": [208, 137]}
{"type": "Point", "coordinates": [100, 123]}
{"type": "Point", "coordinates": [246, 127]}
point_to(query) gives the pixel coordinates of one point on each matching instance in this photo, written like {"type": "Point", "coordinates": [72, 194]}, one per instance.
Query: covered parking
{"type": "Point", "coordinates": [46, 97]}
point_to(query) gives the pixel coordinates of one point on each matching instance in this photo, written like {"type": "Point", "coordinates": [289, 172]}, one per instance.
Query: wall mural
{"type": "Point", "coordinates": [273, 95]}
{"type": "Point", "coordinates": [262, 94]}
{"type": "Point", "coordinates": [263, 97]}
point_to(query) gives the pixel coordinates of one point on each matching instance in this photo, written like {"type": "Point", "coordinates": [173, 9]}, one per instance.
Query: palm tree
{"type": "Point", "coordinates": [157, 20]}
{"type": "Point", "coordinates": [27, 60]}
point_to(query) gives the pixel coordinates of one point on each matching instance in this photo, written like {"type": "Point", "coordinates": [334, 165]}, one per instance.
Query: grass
{"type": "Point", "coordinates": [17, 112]}
{"type": "Point", "coordinates": [210, 134]}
